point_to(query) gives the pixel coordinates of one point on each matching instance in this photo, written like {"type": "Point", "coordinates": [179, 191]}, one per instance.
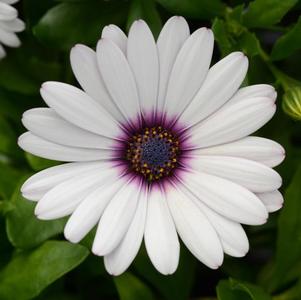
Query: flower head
{"type": "Point", "coordinates": [9, 25]}
{"type": "Point", "coordinates": [157, 144]}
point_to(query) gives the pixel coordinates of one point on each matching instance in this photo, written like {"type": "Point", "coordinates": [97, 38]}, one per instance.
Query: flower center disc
{"type": "Point", "coordinates": [153, 153]}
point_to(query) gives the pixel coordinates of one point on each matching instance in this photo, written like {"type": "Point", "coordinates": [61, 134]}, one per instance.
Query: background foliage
{"type": "Point", "coordinates": [36, 262]}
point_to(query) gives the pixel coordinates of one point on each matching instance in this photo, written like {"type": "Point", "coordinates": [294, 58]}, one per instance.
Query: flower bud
{"type": "Point", "coordinates": [292, 103]}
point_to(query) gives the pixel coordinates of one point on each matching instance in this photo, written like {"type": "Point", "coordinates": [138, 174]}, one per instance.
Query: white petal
{"type": "Point", "coordinates": [119, 259]}
{"type": "Point", "coordinates": [143, 59]}
{"type": "Point", "coordinates": [85, 68]}
{"type": "Point", "coordinates": [116, 35]}
{"type": "Point", "coordinates": [116, 218]}
{"type": "Point", "coordinates": [15, 25]}
{"type": "Point", "coordinates": [227, 198]}
{"type": "Point", "coordinates": [65, 197]}
{"type": "Point", "coordinates": [47, 124]}
{"type": "Point", "coordinates": [78, 108]}
{"type": "Point", "coordinates": [232, 235]}
{"type": "Point", "coordinates": [222, 81]}
{"type": "Point", "coordinates": [2, 52]}
{"type": "Point", "coordinates": [43, 148]}
{"type": "Point", "coordinates": [9, 38]}
{"type": "Point", "coordinates": [233, 122]}
{"type": "Point", "coordinates": [160, 235]}
{"type": "Point", "coordinates": [7, 12]}
{"type": "Point", "coordinates": [257, 90]}
{"type": "Point", "coordinates": [254, 176]}
{"type": "Point", "coordinates": [189, 71]}
{"type": "Point", "coordinates": [273, 201]}
{"type": "Point", "coordinates": [9, 1]}
{"type": "Point", "coordinates": [89, 211]}
{"type": "Point", "coordinates": [194, 228]}
{"type": "Point", "coordinates": [171, 38]}
{"type": "Point", "coordinates": [35, 187]}
{"type": "Point", "coordinates": [118, 78]}
{"type": "Point", "coordinates": [259, 149]}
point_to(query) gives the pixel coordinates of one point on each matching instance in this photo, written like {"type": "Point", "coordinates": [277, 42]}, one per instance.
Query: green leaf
{"type": "Point", "coordinates": [262, 13]}
{"type": "Point", "coordinates": [29, 272]}
{"type": "Point", "coordinates": [8, 178]}
{"type": "Point", "coordinates": [236, 290]}
{"type": "Point", "coordinates": [14, 104]}
{"type": "Point", "coordinates": [198, 9]}
{"type": "Point", "coordinates": [34, 10]}
{"type": "Point", "coordinates": [39, 163]}
{"type": "Point", "coordinates": [222, 36]}
{"type": "Point", "coordinates": [248, 43]}
{"type": "Point", "coordinates": [175, 287]}
{"type": "Point", "coordinates": [130, 287]}
{"type": "Point", "coordinates": [7, 137]}
{"type": "Point", "coordinates": [6, 248]}
{"type": "Point", "coordinates": [24, 230]}
{"type": "Point", "coordinates": [231, 36]}
{"type": "Point", "coordinates": [288, 43]}
{"type": "Point", "coordinates": [78, 22]}
{"type": "Point", "coordinates": [14, 78]}
{"type": "Point", "coordinates": [292, 293]}
{"type": "Point", "coordinates": [288, 254]}
{"type": "Point", "coordinates": [146, 10]}
{"type": "Point", "coordinates": [21, 70]}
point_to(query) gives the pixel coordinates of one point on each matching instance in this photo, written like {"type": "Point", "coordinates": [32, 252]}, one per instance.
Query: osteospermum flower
{"type": "Point", "coordinates": [9, 25]}
{"type": "Point", "coordinates": [158, 147]}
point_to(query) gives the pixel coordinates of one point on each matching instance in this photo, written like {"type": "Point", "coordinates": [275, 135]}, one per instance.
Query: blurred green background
{"type": "Point", "coordinates": [36, 262]}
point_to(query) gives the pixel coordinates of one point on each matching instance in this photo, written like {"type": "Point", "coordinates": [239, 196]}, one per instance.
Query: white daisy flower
{"type": "Point", "coordinates": [9, 25]}
{"type": "Point", "coordinates": [158, 148]}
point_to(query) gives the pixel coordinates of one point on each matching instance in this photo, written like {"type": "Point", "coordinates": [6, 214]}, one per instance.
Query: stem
{"type": "Point", "coordinates": [284, 80]}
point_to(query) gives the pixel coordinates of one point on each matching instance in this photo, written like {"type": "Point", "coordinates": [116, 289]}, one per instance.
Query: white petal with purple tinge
{"type": "Point", "coordinates": [189, 71]}
{"type": "Point", "coordinates": [161, 240]}
{"type": "Point", "coordinates": [171, 38]}
{"type": "Point", "coordinates": [142, 56]}
{"type": "Point", "coordinates": [43, 148]}
{"type": "Point", "coordinates": [122, 256]}
{"type": "Point", "coordinates": [195, 230]}
{"type": "Point", "coordinates": [257, 90]}
{"type": "Point", "coordinates": [10, 1]}
{"type": "Point", "coordinates": [232, 122]}
{"type": "Point", "coordinates": [116, 218]}
{"type": "Point", "coordinates": [229, 199]}
{"type": "Point", "coordinates": [15, 25]}
{"type": "Point", "coordinates": [84, 66]}
{"type": "Point", "coordinates": [116, 35]}
{"type": "Point", "coordinates": [273, 201]}
{"type": "Point", "coordinates": [47, 124]}
{"type": "Point", "coordinates": [79, 108]}
{"type": "Point", "coordinates": [7, 12]}
{"type": "Point", "coordinates": [9, 38]}
{"type": "Point", "coordinates": [254, 148]}
{"type": "Point", "coordinates": [89, 211]}
{"type": "Point", "coordinates": [222, 81]}
{"type": "Point", "coordinates": [233, 237]}
{"type": "Point", "coordinates": [118, 78]}
{"type": "Point", "coordinates": [63, 199]}
{"type": "Point", "coordinates": [252, 175]}
{"type": "Point", "coordinates": [36, 186]}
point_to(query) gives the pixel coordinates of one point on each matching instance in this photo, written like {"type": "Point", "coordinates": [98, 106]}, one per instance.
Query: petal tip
{"type": "Point", "coordinates": [42, 217]}
{"type": "Point", "coordinates": [70, 236]}
{"type": "Point", "coordinates": [96, 251]}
